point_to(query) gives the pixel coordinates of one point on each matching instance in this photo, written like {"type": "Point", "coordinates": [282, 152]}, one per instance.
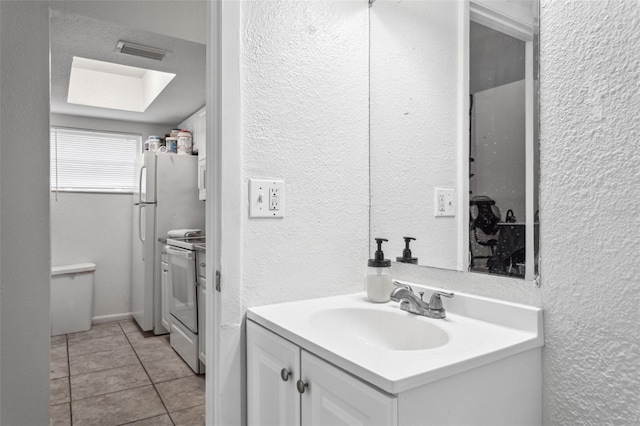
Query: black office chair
{"type": "Point", "coordinates": [484, 219]}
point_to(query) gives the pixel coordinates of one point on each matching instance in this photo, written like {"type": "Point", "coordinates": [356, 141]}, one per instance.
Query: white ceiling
{"type": "Point", "coordinates": [75, 35]}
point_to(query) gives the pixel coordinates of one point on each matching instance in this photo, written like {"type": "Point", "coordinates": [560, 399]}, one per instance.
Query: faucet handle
{"type": "Point", "coordinates": [402, 285]}
{"type": "Point", "coordinates": [435, 303]}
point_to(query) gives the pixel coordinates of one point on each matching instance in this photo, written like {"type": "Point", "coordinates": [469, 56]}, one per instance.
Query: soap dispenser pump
{"type": "Point", "coordinates": [379, 281]}
{"type": "Point", "coordinates": [406, 253]}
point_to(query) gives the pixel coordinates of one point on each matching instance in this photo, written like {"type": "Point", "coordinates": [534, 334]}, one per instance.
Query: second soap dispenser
{"type": "Point", "coordinates": [406, 253]}
{"type": "Point", "coordinates": [379, 280]}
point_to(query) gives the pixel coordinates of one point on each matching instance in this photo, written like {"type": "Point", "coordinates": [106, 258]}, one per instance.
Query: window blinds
{"type": "Point", "coordinates": [93, 161]}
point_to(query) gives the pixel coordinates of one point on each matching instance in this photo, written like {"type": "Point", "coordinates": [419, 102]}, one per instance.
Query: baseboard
{"type": "Point", "coordinates": [110, 318]}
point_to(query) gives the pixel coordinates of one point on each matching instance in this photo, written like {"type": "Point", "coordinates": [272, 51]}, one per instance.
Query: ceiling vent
{"type": "Point", "coordinates": [134, 49]}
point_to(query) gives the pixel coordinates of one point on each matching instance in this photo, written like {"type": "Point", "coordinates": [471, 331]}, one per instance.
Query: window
{"type": "Point", "coordinates": [93, 161]}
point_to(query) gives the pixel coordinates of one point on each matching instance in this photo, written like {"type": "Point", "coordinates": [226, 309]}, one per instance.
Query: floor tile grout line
{"type": "Point", "coordinates": [150, 379]}
{"type": "Point", "coordinates": [188, 408]}
{"type": "Point", "coordinates": [89, 336]}
{"type": "Point", "coordinates": [95, 337]}
{"type": "Point", "coordinates": [177, 378]}
{"type": "Point", "coordinates": [109, 393]}
{"type": "Point", "coordinates": [82, 341]}
{"type": "Point", "coordinates": [147, 418]}
{"type": "Point", "coordinates": [103, 369]}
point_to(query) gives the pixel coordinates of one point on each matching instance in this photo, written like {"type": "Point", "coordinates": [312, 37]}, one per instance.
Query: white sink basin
{"type": "Point", "coordinates": [397, 351]}
{"type": "Point", "coordinates": [392, 330]}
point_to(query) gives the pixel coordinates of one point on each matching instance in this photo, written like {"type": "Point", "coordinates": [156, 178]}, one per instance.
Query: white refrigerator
{"type": "Point", "coordinates": [166, 197]}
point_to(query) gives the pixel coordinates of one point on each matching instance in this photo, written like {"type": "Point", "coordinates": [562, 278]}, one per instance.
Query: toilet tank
{"type": "Point", "coordinates": [71, 298]}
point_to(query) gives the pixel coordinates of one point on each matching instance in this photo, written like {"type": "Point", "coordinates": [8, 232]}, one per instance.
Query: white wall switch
{"type": "Point", "coordinates": [266, 198]}
{"type": "Point", "coordinates": [445, 202]}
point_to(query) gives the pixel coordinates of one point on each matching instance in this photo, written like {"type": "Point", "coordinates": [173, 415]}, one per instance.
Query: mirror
{"type": "Point", "coordinates": [454, 130]}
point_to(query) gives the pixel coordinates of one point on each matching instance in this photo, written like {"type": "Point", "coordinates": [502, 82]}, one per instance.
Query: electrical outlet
{"type": "Point", "coordinates": [274, 198]}
{"type": "Point", "coordinates": [445, 202]}
{"type": "Point", "coordinates": [266, 198]}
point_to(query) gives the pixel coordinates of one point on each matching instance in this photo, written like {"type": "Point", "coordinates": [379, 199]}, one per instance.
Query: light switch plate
{"type": "Point", "coordinates": [266, 198]}
{"type": "Point", "coordinates": [445, 202]}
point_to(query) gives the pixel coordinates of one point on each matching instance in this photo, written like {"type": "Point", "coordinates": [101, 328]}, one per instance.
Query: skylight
{"type": "Point", "coordinates": [115, 86]}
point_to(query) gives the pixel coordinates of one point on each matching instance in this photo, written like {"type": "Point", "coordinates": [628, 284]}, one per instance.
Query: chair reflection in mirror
{"type": "Point", "coordinates": [483, 223]}
{"type": "Point", "coordinates": [501, 243]}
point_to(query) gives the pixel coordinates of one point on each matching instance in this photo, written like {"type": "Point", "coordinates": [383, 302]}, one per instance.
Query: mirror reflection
{"type": "Point", "coordinates": [502, 113]}
{"type": "Point", "coordinates": [454, 108]}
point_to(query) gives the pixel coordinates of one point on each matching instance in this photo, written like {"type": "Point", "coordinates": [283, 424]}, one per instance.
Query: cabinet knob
{"type": "Point", "coordinates": [301, 386]}
{"type": "Point", "coordinates": [202, 264]}
{"type": "Point", "coordinates": [284, 373]}
{"type": "Point", "coordinates": [165, 270]}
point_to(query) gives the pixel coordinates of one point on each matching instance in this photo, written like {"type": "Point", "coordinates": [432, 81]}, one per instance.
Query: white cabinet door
{"type": "Point", "coordinates": [202, 315]}
{"type": "Point", "coordinates": [333, 397]}
{"type": "Point", "coordinates": [197, 125]}
{"type": "Point", "coordinates": [166, 293]}
{"type": "Point", "coordinates": [273, 367]}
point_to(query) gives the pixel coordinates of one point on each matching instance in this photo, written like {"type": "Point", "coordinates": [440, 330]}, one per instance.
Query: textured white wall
{"type": "Point", "coordinates": [414, 126]}
{"type": "Point", "coordinates": [590, 204]}
{"type": "Point", "coordinates": [303, 99]}
{"type": "Point", "coordinates": [24, 213]}
{"type": "Point", "coordinates": [305, 120]}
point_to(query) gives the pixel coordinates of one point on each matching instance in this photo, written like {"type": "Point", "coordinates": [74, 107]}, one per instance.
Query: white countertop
{"type": "Point", "coordinates": [480, 331]}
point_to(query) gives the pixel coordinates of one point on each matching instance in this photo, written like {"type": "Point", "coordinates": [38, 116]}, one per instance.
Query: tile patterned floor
{"type": "Point", "coordinates": [114, 375]}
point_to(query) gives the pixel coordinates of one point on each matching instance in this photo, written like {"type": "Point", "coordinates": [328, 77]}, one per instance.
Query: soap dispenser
{"type": "Point", "coordinates": [379, 281]}
{"type": "Point", "coordinates": [406, 253]}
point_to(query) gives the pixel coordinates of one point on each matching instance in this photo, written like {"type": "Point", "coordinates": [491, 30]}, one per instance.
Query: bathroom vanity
{"type": "Point", "coordinates": [343, 360]}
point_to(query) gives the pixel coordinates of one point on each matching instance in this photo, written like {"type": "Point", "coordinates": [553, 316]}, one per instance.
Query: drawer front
{"type": "Point", "coordinates": [186, 344]}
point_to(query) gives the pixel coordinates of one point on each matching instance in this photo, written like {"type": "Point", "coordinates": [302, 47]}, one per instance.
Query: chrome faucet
{"type": "Point", "coordinates": [409, 302]}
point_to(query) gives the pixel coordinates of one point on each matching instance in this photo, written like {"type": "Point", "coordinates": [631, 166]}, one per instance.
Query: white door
{"type": "Point", "coordinates": [333, 397]}
{"type": "Point", "coordinates": [273, 367]}
{"type": "Point", "coordinates": [182, 278]}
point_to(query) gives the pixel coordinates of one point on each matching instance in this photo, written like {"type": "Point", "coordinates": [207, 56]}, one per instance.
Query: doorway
{"type": "Point", "coordinates": [120, 326]}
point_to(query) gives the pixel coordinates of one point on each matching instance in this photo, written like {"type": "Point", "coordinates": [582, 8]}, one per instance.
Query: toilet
{"type": "Point", "coordinates": [71, 298]}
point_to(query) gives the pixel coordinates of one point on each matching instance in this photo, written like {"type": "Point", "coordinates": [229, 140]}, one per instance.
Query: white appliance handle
{"type": "Point", "coordinates": [140, 222]}
{"type": "Point", "coordinates": [178, 252]}
{"type": "Point", "coordinates": [140, 184]}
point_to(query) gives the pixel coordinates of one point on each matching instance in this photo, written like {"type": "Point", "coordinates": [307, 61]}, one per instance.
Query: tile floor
{"type": "Point", "coordinates": [114, 374]}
